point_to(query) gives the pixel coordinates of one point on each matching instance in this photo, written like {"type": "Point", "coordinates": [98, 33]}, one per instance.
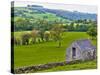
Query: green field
{"type": "Point", "coordinates": [46, 52]}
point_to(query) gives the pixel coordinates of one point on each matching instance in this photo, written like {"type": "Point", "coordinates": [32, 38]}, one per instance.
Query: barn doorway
{"type": "Point", "coordinates": [73, 52]}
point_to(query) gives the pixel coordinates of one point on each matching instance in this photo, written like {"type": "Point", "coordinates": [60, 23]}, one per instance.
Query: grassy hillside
{"type": "Point", "coordinates": [59, 13]}
{"type": "Point", "coordinates": [46, 52]}
{"type": "Point", "coordinates": [28, 13]}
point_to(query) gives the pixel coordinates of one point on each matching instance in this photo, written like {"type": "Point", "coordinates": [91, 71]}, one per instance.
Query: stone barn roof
{"type": "Point", "coordinates": [85, 44]}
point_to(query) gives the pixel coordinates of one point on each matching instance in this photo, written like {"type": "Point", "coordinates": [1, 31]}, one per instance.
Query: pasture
{"type": "Point", "coordinates": [45, 52]}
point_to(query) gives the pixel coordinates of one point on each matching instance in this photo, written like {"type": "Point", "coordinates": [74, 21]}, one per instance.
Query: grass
{"type": "Point", "coordinates": [42, 53]}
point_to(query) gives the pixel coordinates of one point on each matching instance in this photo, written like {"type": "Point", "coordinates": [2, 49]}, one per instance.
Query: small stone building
{"type": "Point", "coordinates": [81, 50]}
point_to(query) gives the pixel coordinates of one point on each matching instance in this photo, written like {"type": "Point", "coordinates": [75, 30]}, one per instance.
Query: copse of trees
{"type": "Point", "coordinates": [38, 36]}
{"type": "Point", "coordinates": [92, 32]}
{"type": "Point", "coordinates": [79, 27]}
{"type": "Point", "coordinates": [24, 24]}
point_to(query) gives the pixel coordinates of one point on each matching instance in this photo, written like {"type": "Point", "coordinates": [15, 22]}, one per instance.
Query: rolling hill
{"type": "Point", "coordinates": [41, 12]}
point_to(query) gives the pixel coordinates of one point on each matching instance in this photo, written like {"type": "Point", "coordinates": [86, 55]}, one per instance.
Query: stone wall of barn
{"type": "Point", "coordinates": [69, 53]}
{"type": "Point", "coordinates": [88, 55]}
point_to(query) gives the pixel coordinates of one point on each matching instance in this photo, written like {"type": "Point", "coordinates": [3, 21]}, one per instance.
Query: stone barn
{"type": "Point", "coordinates": [81, 50]}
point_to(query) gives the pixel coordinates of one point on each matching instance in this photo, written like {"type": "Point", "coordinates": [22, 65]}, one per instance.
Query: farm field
{"type": "Point", "coordinates": [46, 52]}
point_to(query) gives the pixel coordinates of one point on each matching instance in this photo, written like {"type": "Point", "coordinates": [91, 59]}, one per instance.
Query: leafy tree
{"type": "Point", "coordinates": [47, 35]}
{"type": "Point", "coordinates": [92, 31]}
{"type": "Point", "coordinates": [71, 27]}
{"type": "Point", "coordinates": [34, 35]}
{"type": "Point", "coordinates": [25, 38]}
{"type": "Point", "coordinates": [57, 33]}
{"type": "Point", "coordinates": [41, 34]}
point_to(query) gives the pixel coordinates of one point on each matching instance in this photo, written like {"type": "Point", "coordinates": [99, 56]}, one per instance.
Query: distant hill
{"type": "Point", "coordinates": [41, 12]}
{"type": "Point", "coordinates": [72, 15]}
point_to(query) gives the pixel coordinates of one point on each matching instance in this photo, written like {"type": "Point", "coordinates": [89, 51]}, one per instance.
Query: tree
{"type": "Point", "coordinates": [71, 27]}
{"type": "Point", "coordinates": [57, 33]}
{"type": "Point", "coordinates": [92, 31]}
{"type": "Point", "coordinates": [34, 35]}
{"type": "Point", "coordinates": [47, 35]}
{"type": "Point", "coordinates": [25, 38]}
{"type": "Point", "coordinates": [42, 26]}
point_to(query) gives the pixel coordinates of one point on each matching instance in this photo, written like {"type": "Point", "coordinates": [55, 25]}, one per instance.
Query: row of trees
{"type": "Point", "coordinates": [55, 34]}
{"type": "Point", "coordinates": [24, 24]}
{"type": "Point", "coordinates": [37, 36]}
{"type": "Point", "coordinates": [80, 25]}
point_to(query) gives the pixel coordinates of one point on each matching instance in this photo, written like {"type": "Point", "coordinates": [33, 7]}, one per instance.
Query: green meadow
{"type": "Point", "coordinates": [47, 52]}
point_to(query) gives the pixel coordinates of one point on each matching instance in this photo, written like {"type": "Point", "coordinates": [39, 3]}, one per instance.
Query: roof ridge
{"type": "Point", "coordinates": [84, 44]}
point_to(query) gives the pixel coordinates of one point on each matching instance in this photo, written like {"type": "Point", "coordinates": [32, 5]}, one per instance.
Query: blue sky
{"type": "Point", "coordinates": [70, 7]}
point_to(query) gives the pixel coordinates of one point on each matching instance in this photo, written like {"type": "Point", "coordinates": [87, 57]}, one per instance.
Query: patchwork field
{"type": "Point", "coordinates": [46, 52]}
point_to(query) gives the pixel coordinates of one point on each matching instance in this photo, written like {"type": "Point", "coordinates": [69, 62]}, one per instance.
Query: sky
{"type": "Point", "coordinates": [69, 7]}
